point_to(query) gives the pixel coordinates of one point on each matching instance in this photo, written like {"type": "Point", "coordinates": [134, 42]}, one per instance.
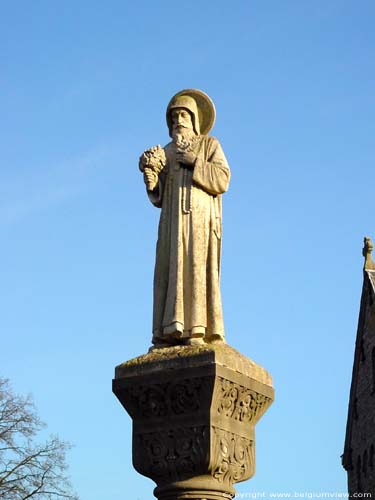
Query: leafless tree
{"type": "Point", "coordinates": [28, 469]}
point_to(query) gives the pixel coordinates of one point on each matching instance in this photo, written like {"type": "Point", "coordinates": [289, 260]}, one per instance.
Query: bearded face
{"type": "Point", "coordinates": [182, 127]}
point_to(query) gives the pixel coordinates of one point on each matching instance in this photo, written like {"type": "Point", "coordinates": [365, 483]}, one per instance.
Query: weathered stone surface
{"type": "Point", "coordinates": [194, 409]}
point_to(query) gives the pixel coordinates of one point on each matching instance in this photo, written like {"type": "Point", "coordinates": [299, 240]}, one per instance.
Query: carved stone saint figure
{"type": "Point", "coordinates": [186, 179]}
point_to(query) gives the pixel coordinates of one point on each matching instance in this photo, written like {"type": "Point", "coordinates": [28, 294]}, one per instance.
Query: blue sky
{"type": "Point", "coordinates": [84, 87]}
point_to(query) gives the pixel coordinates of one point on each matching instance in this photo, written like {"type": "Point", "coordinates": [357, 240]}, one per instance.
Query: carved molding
{"type": "Point", "coordinates": [167, 399]}
{"type": "Point", "coordinates": [233, 456]}
{"type": "Point", "coordinates": [175, 454]}
{"type": "Point", "coordinates": [172, 454]}
{"type": "Point", "coordinates": [186, 396]}
{"type": "Point", "coordinates": [240, 403]}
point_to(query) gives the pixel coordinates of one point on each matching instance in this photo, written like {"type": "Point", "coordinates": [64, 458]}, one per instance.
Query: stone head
{"type": "Point", "coordinates": [182, 113]}
{"type": "Point", "coordinates": [181, 119]}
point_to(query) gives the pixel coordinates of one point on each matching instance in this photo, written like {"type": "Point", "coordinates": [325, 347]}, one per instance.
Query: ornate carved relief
{"type": "Point", "coordinates": [167, 399]}
{"type": "Point", "coordinates": [184, 396]}
{"type": "Point", "coordinates": [183, 452]}
{"type": "Point", "coordinates": [179, 452]}
{"type": "Point", "coordinates": [193, 428]}
{"type": "Point", "coordinates": [234, 456]}
{"type": "Point", "coordinates": [172, 454]}
{"type": "Point", "coordinates": [240, 403]}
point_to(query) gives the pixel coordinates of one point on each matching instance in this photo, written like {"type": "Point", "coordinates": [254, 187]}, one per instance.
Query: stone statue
{"type": "Point", "coordinates": [186, 179]}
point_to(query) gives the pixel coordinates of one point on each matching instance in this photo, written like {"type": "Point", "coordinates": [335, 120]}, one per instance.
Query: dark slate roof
{"type": "Point", "coordinates": [368, 292]}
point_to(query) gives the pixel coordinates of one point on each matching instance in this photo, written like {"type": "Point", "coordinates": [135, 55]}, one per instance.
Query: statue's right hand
{"type": "Point", "coordinates": [150, 178]}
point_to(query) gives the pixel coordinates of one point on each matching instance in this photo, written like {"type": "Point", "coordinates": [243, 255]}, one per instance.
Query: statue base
{"type": "Point", "coordinates": [194, 409]}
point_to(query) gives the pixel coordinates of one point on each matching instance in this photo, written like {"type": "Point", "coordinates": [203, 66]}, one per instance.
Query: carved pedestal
{"type": "Point", "coordinates": [194, 410]}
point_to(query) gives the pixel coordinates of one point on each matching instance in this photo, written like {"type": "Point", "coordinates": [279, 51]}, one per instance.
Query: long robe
{"type": "Point", "coordinates": [187, 300]}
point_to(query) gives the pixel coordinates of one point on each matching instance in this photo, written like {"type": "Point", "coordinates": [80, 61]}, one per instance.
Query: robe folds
{"type": "Point", "coordinates": [187, 299]}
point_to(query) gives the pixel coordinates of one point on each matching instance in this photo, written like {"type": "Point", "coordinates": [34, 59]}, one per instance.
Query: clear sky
{"type": "Point", "coordinates": [84, 87]}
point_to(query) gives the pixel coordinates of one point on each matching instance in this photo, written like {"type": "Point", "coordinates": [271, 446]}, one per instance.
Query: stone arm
{"type": "Point", "coordinates": [156, 195]}
{"type": "Point", "coordinates": [211, 170]}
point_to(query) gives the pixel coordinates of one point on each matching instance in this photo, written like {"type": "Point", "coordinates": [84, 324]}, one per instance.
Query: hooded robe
{"type": "Point", "coordinates": [187, 300]}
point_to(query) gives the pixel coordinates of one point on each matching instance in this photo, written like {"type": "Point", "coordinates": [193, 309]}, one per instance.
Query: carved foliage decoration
{"type": "Point", "coordinates": [166, 399]}
{"type": "Point", "coordinates": [172, 454]}
{"type": "Point", "coordinates": [233, 456]}
{"type": "Point", "coordinates": [240, 403]}
{"type": "Point", "coordinates": [175, 437]}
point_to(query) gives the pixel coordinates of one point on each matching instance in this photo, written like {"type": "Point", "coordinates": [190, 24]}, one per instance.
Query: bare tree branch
{"type": "Point", "coordinates": [27, 469]}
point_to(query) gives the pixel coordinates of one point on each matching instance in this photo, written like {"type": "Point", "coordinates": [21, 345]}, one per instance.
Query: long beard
{"type": "Point", "coordinates": [184, 138]}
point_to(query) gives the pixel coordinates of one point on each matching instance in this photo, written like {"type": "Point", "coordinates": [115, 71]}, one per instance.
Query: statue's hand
{"type": "Point", "coordinates": [150, 178]}
{"type": "Point", "coordinates": [153, 158]}
{"type": "Point", "coordinates": [186, 158]}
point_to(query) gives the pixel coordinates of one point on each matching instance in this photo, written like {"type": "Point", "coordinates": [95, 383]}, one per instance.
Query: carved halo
{"type": "Point", "coordinates": [206, 108]}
